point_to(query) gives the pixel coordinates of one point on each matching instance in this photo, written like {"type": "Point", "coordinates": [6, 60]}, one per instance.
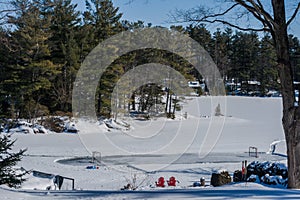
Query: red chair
{"type": "Point", "coordinates": [160, 182]}
{"type": "Point", "coordinates": [172, 181]}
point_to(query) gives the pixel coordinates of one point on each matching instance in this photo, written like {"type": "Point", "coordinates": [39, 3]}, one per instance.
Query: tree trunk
{"type": "Point", "coordinates": [133, 101]}
{"type": "Point", "coordinates": [167, 101]}
{"type": "Point", "coordinates": [170, 103]}
{"type": "Point", "coordinates": [291, 112]}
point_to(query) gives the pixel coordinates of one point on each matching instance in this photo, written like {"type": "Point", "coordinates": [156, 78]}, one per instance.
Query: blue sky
{"type": "Point", "coordinates": [149, 11]}
{"type": "Point", "coordinates": [157, 11]}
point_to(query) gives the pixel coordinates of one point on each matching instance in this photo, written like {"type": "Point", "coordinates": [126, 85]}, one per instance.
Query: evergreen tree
{"type": "Point", "coordinates": [8, 173]}
{"type": "Point", "coordinates": [245, 58]}
{"type": "Point", "coordinates": [64, 47]}
{"type": "Point", "coordinates": [6, 78]}
{"type": "Point", "coordinates": [221, 44]}
{"type": "Point", "coordinates": [295, 56]}
{"type": "Point", "coordinates": [104, 19]}
{"type": "Point", "coordinates": [32, 67]}
{"type": "Point", "coordinates": [200, 34]}
{"type": "Point", "coordinates": [266, 72]}
{"type": "Point", "coordinates": [101, 21]}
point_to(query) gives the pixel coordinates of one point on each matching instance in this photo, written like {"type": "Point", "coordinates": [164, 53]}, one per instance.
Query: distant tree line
{"type": "Point", "coordinates": [44, 42]}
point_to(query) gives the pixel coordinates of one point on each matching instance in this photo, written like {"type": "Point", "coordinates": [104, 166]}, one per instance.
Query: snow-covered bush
{"type": "Point", "coordinates": [70, 127]}
{"type": "Point", "coordinates": [218, 111]}
{"type": "Point", "coordinates": [272, 173]}
{"type": "Point", "coordinates": [55, 124]}
{"type": "Point", "coordinates": [273, 180]}
{"type": "Point", "coordinates": [253, 178]}
{"type": "Point", "coordinates": [117, 125]}
{"type": "Point", "coordinates": [59, 124]}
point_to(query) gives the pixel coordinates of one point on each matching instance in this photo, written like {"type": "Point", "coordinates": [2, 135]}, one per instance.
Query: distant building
{"type": "Point", "coordinates": [198, 86]}
{"type": "Point", "coordinates": [194, 84]}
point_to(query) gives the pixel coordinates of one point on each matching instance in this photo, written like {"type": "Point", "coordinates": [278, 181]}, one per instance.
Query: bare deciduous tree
{"type": "Point", "coordinates": [272, 17]}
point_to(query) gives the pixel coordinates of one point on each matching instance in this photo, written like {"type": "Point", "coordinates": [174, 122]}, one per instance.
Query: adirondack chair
{"type": "Point", "coordinates": [160, 182]}
{"type": "Point", "coordinates": [172, 181]}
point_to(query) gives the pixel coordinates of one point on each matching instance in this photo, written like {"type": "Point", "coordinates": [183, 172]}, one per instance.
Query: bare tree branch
{"type": "Point", "coordinates": [8, 10]}
{"type": "Point", "coordinates": [260, 9]}
{"type": "Point", "coordinates": [221, 14]}
{"type": "Point", "coordinates": [189, 16]}
{"type": "Point", "coordinates": [294, 15]}
{"type": "Point", "coordinates": [266, 22]}
{"type": "Point", "coordinates": [258, 12]}
{"type": "Point", "coordinates": [5, 10]}
{"type": "Point", "coordinates": [235, 26]}
{"type": "Point", "coordinates": [5, 2]}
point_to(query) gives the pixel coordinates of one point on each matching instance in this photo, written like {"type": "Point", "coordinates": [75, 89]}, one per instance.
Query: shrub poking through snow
{"type": "Point", "coordinates": [55, 124]}
{"type": "Point", "coordinates": [267, 172]}
{"type": "Point", "coordinates": [218, 111]}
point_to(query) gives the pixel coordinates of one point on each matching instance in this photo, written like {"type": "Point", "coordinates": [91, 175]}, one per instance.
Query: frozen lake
{"type": "Point", "coordinates": [185, 148]}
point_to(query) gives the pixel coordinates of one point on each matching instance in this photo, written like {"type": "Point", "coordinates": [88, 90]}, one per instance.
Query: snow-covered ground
{"type": "Point", "coordinates": [185, 148]}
